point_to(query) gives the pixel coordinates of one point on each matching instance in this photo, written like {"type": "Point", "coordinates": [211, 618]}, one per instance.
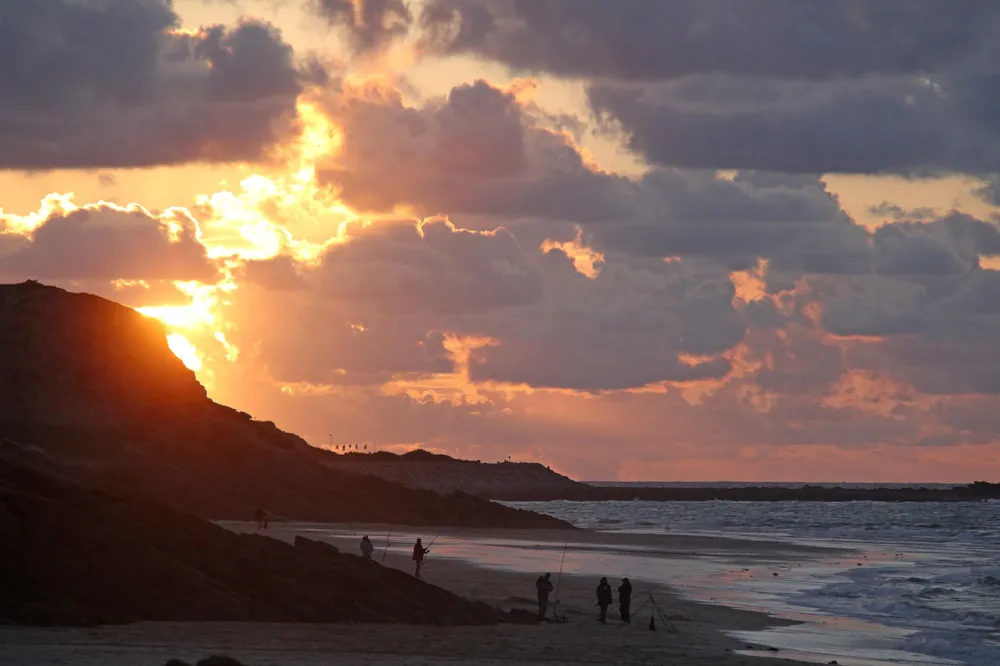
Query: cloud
{"type": "Point", "coordinates": [628, 327]}
{"type": "Point", "coordinates": [370, 24]}
{"type": "Point", "coordinates": [481, 152]}
{"type": "Point", "coordinates": [429, 267]}
{"type": "Point", "coordinates": [935, 366]}
{"type": "Point", "coordinates": [104, 242]}
{"type": "Point", "coordinates": [717, 84]}
{"type": "Point", "coordinates": [908, 125]}
{"type": "Point", "coordinates": [650, 39]}
{"type": "Point", "coordinates": [989, 190]}
{"type": "Point", "coordinates": [379, 303]}
{"type": "Point", "coordinates": [388, 296]}
{"type": "Point", "coordinates": [476, 151]}
{"type": "Point", "coordinates": [896, 212]}
{"type": "Point", "coordinates": [793, 221]}
{"type": "Point", "coordinates": [116, 84]}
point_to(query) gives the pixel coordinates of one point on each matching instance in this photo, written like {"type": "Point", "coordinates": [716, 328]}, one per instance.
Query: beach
{"type": "Point", "coordinates": [699, 637]}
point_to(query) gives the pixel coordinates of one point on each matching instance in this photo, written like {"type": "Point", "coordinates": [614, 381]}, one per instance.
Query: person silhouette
{"type": "Point", "coordinates": [367, 548]}
{"type": "Point", "coordinates": [625, 600]}
{"type": "Point", "coordinates": [418, 555]}
{"type": "Point", "coordinates": [603, 599]}
{"type": "Point", "coordinates": [543, 585]}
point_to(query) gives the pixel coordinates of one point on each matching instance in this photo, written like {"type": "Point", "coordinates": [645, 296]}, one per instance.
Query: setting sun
{"type": "Point", "coordinates": [185, 351]}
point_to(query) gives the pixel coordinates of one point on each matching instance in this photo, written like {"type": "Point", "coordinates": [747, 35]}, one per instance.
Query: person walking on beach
{"type": "Point", "coordinates": [544, 586]}
{"type": "Point", "coordinates": [604, 599]}
{"type": "Point", "coordinates": [366, 547]}
{"type": "Point", "coordinates": [261, 516]}
{"type": "Point", "coordinates": [418, 555]}
{"type": "Point", "coordinates": [625, 600]}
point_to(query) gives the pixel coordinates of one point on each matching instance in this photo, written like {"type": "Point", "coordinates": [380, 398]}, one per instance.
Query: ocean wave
{"type": "Point", "coordinates": [932, 569]}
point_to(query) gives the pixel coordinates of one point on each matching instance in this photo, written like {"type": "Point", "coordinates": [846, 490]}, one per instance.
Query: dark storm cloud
{"type": "Point", "coordinates": [111, 83]}
{"type": "Point", "coordinates": [908, 125]}
{"type": "Point", "coordinates": [902, 252]}
{"type": "Point", "coordinates": [792, 220]}
{"type": "Point", "coordinates": [109, 243]}
{"type": "Point", "coordinates": [657, 39]}
{"type": "Point", "coordinates": [370, 24]}
{"type": "Point", "coordinates": [871, 305]}
{"type": "Point", "coordinates": [844, 87]}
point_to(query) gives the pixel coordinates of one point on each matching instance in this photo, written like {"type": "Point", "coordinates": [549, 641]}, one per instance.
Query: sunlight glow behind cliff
{"type": "Point", "coordinates": [252, 223]}
{"type": "Point", "coordinates": [185, 351]}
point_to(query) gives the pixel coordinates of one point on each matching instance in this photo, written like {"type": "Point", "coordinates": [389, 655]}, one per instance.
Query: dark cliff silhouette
{"type": "Point", "coordinates": [74, 556]}
{"type": "Point", "coordinates": [425, 470]}
{"type": "Point", "coordinates": [90, 388]}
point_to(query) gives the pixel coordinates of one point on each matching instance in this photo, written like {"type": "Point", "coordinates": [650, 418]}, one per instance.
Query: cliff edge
{"type": "Point", "coordinates": [90, 388]}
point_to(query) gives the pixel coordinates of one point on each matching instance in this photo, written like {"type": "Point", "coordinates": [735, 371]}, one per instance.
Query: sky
{"type": "Point", "coordinates": [637, 240]}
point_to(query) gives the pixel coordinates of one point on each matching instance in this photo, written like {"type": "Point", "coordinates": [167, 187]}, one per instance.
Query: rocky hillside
{"type": "Point", "coordinates": [443, 474]}
{"type": "Point", "coordinates": [90, 387]}
{"type": "Point", "coordinates": [69, 555]}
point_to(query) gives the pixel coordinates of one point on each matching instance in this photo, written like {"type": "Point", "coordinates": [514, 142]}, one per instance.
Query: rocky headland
{"type": "Point", "coordinates": [443, 474]}
{"type": "Point", "coordinates": [89, 389]}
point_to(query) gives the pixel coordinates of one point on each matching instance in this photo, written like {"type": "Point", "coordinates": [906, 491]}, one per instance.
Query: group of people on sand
{"type": "Point", "coordinates": [367, 548]}
{"type": "Point", "coordinates": [604, 598]}
{"type": "Point", "coordinates": [543, 585]}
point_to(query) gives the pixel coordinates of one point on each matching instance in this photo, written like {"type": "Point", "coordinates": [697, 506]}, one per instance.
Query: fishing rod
{"type": "Point", "coordinates": [444, 527]}
{"type": "Point", "coordinates": [387, 538]}
{"type": "Point", "coordinates": [555, 605]}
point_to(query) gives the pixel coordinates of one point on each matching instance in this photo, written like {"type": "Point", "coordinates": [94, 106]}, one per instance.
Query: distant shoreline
{"type": "Point", "coordinates": [510, 481]}
{"type": "Point", "coordinates": [977, 492]}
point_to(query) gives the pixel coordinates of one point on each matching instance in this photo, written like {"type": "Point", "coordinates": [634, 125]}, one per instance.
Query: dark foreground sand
{"type": "Point", "coordinates": [580, 640]}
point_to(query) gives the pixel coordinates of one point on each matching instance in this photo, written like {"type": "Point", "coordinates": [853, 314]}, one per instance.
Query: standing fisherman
{"type": "Point", "coordinates": [625, 599]}
{"type": "Point", "coordinates": [544, 586]}
{"type": "Point", "coordinates": [367, 548]}
{"type": "Point", "coordinates": [418, 555]}
{"type": "Point", "coordinates": [604, 599]}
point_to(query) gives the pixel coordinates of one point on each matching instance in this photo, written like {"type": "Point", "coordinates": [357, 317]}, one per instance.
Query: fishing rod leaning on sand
{"type": "Point", "coordinates": [387, 539]}
{"type": "Point", "coordinates": [555, 604]}
{"type": "Point", "coordinates": [657, 611]}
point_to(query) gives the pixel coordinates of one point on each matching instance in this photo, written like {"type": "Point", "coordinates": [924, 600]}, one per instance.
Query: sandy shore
{"type": "Point", "coordinates": [580, 640]}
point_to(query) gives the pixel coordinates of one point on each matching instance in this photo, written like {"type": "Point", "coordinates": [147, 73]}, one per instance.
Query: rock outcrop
{"type": "Point", "coordinates": [92, 388]}
{"type": "Point", "coordinates": [443, 474]}
{"type": "Point", "coordinates": [74, 556]}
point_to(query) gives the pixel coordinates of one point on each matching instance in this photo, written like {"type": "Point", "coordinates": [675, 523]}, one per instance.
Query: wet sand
{"type": "Point", "coordinates": [581, 639]}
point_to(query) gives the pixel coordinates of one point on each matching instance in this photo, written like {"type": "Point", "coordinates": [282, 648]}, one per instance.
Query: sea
{"type": "Point", "coordinates": [920, 587]}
